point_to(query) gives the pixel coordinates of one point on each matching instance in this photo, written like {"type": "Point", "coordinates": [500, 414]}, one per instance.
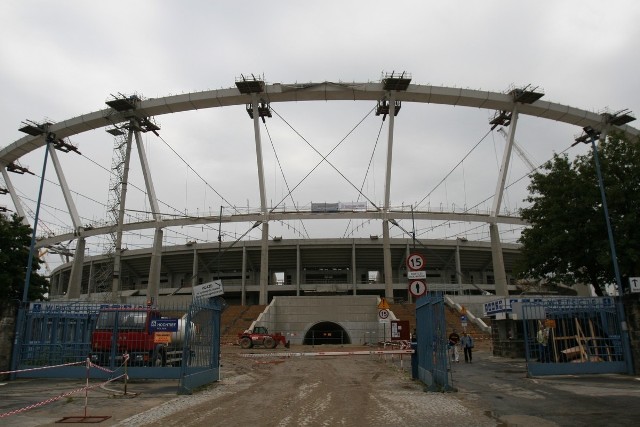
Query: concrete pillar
{"type": "Point", "coordinates": [499, 275]}
{"type": "Point", "coordinates": [243, 282]}
{"type": "Point", "coordinates": [153, 287]}
{"type": "Point", "coordinates": [386, 244]}
{"type": "Point", "coordinates": [298, 269]}
{"type": "Point", "coordinates": [388, 269]}
{"type": "Point", "coordinates": [194, 268]}
{"type": "Point", "coordinates": [75, 278]}
{"type": "Point", "coordinates": [458, 267]}
{"type": "Point", "coordinates": [354, 268]}
{"type": "Point", "coordinates": [264, 264]}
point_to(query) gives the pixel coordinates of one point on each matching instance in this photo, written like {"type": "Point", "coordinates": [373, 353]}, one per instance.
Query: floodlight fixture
{"type": "Point", "coordinates": [123, 102]}
{"type": "Point", "coordinates": [248, 85]}
{"type": "Point", "coordinates": [264, 110]}
{"type": "Point", "coordinates": [590, 134]}
{"type": "Point", "coordinates": [526, 95]}
{"type": "Point", "coordinates": [65, 147]}
{"type": "Point", "coordinates": [500, 118]}
{"type": "Point", "coordinates": [384, 108]}
{"type": "Point", "coordinates": [146, 124]}
{"type": "Point", "coordinates": [115, 131]}
{"type": "Point", "coordinates": [618, 118]}
{"type": "Point", "coordinates": [33, 128]}
{"type": "Point", "coordinates": [16, 168]}
{"type": "Point", "coordinates": [397, 82]}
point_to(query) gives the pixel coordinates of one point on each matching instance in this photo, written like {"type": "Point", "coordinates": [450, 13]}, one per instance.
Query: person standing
{"type": "Point", "coordinates": [467, 347]}
{"type": "Point", "coordinates": [454, 339]}
{"type": "Point", "coordinates": [543, 340]}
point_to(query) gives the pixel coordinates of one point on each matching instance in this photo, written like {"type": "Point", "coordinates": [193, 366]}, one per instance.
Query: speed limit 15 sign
{"type": "Point", "coordinates": [415, 262]}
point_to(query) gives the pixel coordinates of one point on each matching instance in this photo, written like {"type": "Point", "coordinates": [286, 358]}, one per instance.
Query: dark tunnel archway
{"type": "Point", "coordinates": [326, 333]}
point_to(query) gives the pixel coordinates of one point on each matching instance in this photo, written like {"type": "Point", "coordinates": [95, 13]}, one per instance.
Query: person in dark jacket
{"type": "Point", "coordinates": [454, 339]}
{"type": "Point", "coordinates": [467, 346]}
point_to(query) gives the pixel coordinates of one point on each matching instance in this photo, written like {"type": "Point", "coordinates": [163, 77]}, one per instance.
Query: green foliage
{"type": "Point", "coordinates": [15, 240]}
{"type": "Point", "coordinates": [568, 241]}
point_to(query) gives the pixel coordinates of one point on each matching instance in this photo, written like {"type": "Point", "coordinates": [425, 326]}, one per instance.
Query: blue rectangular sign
{"type": "Point", "coordinates": [164, 325]}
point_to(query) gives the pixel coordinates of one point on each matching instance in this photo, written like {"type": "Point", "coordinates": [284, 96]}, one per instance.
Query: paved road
{"type": "Point", "coordinates": [502, 388]}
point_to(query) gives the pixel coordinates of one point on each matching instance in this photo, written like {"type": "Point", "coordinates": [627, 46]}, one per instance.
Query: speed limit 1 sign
{"type": "Point", "coordinates": [415, 262]}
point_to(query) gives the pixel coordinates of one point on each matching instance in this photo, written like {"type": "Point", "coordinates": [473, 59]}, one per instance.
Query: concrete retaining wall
{"type": "Point", "coordinates": [357, 315]}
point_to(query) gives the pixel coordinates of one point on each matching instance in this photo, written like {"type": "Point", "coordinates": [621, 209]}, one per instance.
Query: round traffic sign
{"type": "Point", "coordinates": [415, 262]}
{"type": "Point", "coordinates": [383, 314]}
{"type": "Point", "coordinates": [417, 288]}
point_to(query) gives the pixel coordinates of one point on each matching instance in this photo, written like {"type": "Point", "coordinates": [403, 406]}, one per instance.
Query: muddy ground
{"type": "Point", "coordinates": [317, 391]}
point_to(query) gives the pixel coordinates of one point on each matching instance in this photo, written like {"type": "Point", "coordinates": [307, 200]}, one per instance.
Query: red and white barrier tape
{"type": "Point", "coordinates": [53, 399]}
{"type": "Point", "coordinates": [93, 365]}
{"type": "Point", "coordinates": [330, 353]}
{"type": "Point", "coordinates": [42, 367]}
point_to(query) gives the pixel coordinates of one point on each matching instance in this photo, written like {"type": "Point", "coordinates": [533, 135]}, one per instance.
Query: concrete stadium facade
{"type": "Point", "coordinates": [296, 268]}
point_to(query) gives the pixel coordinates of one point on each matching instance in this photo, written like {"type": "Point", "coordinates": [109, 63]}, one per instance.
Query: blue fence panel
{"type": "Point", "coordinates": [431, 347]}
{"type": "Point", "coordinates": [573, 336]}
{"type": "Point", "coordinates": [57, 334]}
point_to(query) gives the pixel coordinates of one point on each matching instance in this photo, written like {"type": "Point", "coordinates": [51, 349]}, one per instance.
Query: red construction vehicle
{"type": "Point", "coordinates": [259, 335]}
{"type": "Point", "coordinates": [143, 333]}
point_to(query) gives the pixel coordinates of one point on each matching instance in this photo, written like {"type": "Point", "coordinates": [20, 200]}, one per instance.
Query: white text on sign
{"type": "Point", "coordinates": [416, 275]}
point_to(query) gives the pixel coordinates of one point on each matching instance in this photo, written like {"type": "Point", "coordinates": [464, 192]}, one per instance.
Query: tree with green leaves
{"type": "Point", "coordinates": [567, 241]}
{"type": "Point", "coordinates": [15, 242]}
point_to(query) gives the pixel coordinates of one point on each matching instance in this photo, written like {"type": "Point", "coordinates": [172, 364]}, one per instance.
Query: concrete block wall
{"type": "Point", "coordinates": [294, 316]}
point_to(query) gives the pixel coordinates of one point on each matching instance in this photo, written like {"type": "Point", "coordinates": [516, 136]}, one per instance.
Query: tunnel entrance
{"type": "Point", "coordinates": [326, 333]}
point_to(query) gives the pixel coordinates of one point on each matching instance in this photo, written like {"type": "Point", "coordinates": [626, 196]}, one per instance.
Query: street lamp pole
{"type": "Point", "coordinates": [24, 303]}
{"type": "Point", "coordinates": [593, 136]}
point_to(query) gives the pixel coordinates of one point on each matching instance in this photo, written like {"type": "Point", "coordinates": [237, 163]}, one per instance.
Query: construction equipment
{"type": "Point", "coordinates": [259, 335]}
{"type": "Point", "coordinates": [148, 338]}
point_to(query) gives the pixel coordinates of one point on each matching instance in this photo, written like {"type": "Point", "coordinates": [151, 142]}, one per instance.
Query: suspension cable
{"type": "Point", "coordinates": [454, 168]}
{"type": "Point", "coordinates": [197, 174]}
{"type": "Point", "coordinates": [290, 194]}
{"type": "Point", "coordinates": [364, 180]}
{"type": "Point", "coordinates": [324, 158]}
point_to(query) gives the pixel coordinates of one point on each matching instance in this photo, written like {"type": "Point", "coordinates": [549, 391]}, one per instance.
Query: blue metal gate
{"type": "Point", "coordinates": [56, 343]}
{"type": "Point", "coordinates": [573, 336]}
{"type": "Point", "coordinates": [431, 348]}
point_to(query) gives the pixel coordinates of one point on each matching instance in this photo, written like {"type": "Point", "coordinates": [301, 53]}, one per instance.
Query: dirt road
{"type": "Point", "coordinates": [313, 391]}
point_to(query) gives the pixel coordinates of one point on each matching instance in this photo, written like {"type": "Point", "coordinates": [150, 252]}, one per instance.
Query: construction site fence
{"type": "Point", "coordinates": [573, 336]}
{"type": "Point", "coordinates": [60, 334]}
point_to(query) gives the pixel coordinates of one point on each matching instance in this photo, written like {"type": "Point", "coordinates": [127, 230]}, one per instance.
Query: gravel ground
{"type": "Point", "coordinates": [314, 391]}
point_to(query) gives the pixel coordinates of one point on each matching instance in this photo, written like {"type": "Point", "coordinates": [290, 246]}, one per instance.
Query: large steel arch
{"type": "Point", "coordinates": [141, 110]}
{"type": "Point", "coordinates": [326, 91]}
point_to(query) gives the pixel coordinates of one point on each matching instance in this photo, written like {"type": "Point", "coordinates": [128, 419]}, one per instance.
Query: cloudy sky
{"type": "Point", "coordinates": [64, 58]}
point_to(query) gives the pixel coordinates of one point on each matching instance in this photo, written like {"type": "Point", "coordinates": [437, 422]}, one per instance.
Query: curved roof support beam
{"type": "Point", "coordinates": [499, 274]}
{"type": "Point", "coordinates": [14, 197]}
{"type": "Point", "coordinates": [62, 180]}
{"type": "Point", "coordinates": [153, 285]}
{"type": "Point", "coordinates": [386, 245]}
{"type": "Point", "coordinates": [278, 92]}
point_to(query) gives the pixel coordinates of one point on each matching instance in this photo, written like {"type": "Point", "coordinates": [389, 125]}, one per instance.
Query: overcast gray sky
{"type": "Point", "coordinates": [64, 58]}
